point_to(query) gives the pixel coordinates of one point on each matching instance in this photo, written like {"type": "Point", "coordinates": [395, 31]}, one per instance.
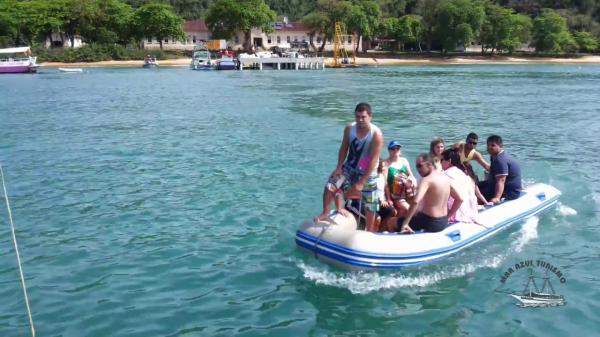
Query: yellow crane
{"type": "Point", "coordinates": [340, 55]}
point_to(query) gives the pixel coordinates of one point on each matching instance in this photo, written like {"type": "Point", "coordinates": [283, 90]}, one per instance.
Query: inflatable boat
{"type": "Point", "coordinates": [337, 240]}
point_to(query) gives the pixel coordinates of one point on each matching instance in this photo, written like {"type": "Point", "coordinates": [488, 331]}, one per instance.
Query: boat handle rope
{"type": "Point", "coordinates": [14, 237]}
{"type": "Point", "coordinates": [323, 230]}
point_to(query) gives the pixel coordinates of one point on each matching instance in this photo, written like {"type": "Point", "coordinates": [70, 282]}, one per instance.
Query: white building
{"type": "Point", "coordinates": [61, 40]}
{"type": "Point", "coordinates": [284, 32]}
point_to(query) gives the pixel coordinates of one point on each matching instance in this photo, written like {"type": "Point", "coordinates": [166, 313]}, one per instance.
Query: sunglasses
{"type": "Point", "coordinates": [472, 142]}
{"type": "Point", "coordinates": [419, 165]}
{"type": "Point", "coordinates": [395, 148]}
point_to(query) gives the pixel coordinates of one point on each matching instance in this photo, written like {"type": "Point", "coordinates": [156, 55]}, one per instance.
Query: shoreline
{"type": "Point", "coordinates": [363, 61]}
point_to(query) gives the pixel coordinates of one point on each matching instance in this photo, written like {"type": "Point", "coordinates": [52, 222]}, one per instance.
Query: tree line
{"type": "Point", "coordinates": [445, 25]}
{"type": "Point", "coordinates": [102, 22]}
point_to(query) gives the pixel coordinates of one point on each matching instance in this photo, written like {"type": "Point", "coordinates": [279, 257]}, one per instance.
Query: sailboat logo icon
{"type": "Point", "coordinates": [532, 296]}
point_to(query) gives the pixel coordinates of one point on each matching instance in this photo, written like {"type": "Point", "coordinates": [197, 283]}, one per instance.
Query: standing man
{"type": "Point", "coordinates": [358, 158]}
{"type": "Point", "coordinates": [433, 193]}
{"type": "Point", "coordinates": [505, 174]}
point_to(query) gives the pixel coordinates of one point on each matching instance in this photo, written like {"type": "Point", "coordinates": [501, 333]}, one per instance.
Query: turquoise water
{"type": "Point", "coordinates": [163, 202]}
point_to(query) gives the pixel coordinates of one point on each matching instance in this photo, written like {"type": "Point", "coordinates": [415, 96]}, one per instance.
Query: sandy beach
{"type": "Point", "coordinates": [367, 61]}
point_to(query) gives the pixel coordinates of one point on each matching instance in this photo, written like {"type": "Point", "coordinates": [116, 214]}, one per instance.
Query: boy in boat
{"type": "Point", "coordinates": [467, 152]}
{"type": "Point", "coordinates": [358, 158]}
{"type": "Point", "coordinates": [433, 193]}
{"type": "Point", "coordinates": [386, 205]}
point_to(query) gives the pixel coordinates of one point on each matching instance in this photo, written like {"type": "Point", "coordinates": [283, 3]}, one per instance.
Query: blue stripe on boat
{"type": "Point", "coordinates": [427, 257]}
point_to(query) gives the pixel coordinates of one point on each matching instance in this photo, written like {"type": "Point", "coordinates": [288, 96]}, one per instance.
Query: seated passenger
{"type": "Point", "coordinates": [467, 152]}
{"type": "Point", "coordinates": [464, 185]}
{"type": "Point", "coordinates": [505, 174]}
{"type": "Point", "coordinates": [386, 206]}
{"type": "Point", "coordinates": [401, 181]}
{"type": "Point", "coordinates": [436, 147]}
{"type": "Point", "coordinates": [432, 194]}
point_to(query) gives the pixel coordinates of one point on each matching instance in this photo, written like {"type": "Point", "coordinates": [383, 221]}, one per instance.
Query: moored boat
{"type": "Point", "coordinates": [339, 242]}
{"type": "Point", "coordinates": [226, 63]}
{"type": "Point", "coordinates": [150, 62]}
{"type": "Point", "coordinates": [71, 70]}
{"type": "Point", "coordinates": [202, 60]}
{"type": "Point", "coordinates": [15, 65]}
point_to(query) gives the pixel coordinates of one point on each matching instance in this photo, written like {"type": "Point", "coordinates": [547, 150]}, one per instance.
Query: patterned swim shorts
{"type": "Point", "coordinates": [369, 195]}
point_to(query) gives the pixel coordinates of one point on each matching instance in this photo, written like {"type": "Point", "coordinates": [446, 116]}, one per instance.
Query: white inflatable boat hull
{"type": "Point", "coordinates": [339, 242]}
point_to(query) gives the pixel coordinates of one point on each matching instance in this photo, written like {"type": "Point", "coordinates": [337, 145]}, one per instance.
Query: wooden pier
{"type": "Point", "coordinates": [279, 63]}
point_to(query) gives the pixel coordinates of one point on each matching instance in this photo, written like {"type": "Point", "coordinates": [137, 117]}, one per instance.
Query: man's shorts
{"type": "Point", "coordinates": [369, 195]}
{"type": "Point", "coordinates": [422, 221]}
{"type": "Point", "coordinates": [385, 212]}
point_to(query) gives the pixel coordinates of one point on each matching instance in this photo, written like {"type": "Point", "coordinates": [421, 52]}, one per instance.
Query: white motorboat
{"type": "Point", "coordinates": [71, 70]}
{"type": "Point", "coordinates": [202, 60]}
{"type": "Point", "coordinates": [150, 62]}
{"type": "Point", "coordinates": [339, 242]}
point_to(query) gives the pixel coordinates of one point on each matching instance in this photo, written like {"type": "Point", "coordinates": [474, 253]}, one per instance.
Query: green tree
{"type": "Point", "coordinates": [407, 29]}
{"type": "Point", "coordinates": [332, 11]}
{"type": "Point", "coordinates": [316, 22]}
{"type": "Point", "coordinates": [392, 8]}
{"type": "Point", "coordinates": [550, 33]}
{"type": "Point", "coordinates": [412, 29]}
{"type": "Point", "coordinates": [8, 24]}
{"type": "Point", "coordinates": [364, 19]}
{"type": "Point", "coordinates": [503, 29]}
{"type": "Point", "coordinates": [458, 22]}
{"type": "Point", "coordinates": [78, 17]}
{"type": "Point", "coordinates": [36, 20]}
{"type": "Point", "coordinates": [227, 17]}
{"type": "Point", "coordinates": [111, 23]}
{"type": "Point", "coordinates": [428, 11]}
{"type": "Point", "coordinates": [157, 20]}
{"type": "Point", "coordinates": [586, 42]}
{"type": "Point", "coordinates": [294, 9]}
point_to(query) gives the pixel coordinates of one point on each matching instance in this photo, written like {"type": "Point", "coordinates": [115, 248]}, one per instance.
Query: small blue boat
{"type": "Point", "coordinates": [226, 63]}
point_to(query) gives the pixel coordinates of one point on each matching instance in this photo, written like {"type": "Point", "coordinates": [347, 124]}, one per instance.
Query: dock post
{"type": "Point", "coordinates": [260, 64]}
{"type": "Point", "coordinates": [296, 65]}
{"type": "Point", "coordinates": [278, 65]}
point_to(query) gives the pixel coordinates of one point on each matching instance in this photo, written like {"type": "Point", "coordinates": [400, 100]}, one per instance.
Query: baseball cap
{"type": "Point", "coordinates": [393, 144]}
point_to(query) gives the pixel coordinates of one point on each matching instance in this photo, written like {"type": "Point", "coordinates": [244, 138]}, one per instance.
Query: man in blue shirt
{"type": "Point", "coordinates": [505, 174]}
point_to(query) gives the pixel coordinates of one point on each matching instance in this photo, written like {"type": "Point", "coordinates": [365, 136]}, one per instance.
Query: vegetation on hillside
{"type": "Point", "coordinates": [549, 26]}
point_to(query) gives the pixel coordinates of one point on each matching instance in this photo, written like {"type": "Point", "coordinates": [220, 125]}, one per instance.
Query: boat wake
{"type": "Point", "coordinates": [565, 210]}
{"type": "Point", "coordinates": [527, 233]}
{"type": "Point", "coordinates": [364, 282]}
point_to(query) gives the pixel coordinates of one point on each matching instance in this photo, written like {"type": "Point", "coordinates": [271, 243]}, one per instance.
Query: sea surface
{"type": "Point", "coordinates": [164, 202]}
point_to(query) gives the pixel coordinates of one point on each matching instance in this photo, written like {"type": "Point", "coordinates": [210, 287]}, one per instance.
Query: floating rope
{"type": "Point", "coordinates": [12, 227]}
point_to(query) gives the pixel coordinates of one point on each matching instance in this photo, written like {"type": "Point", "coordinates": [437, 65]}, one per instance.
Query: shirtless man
{"type": "Point", "coordinates": [358, 159]}
{"type": "Point", "coordinates": [433, 193]}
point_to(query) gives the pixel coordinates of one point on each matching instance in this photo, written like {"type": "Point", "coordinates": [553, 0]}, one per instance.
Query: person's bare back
{"type": "Point", "coordinates": [437, 192]}
{"type": "Point", "coordinates": [432, 195]}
